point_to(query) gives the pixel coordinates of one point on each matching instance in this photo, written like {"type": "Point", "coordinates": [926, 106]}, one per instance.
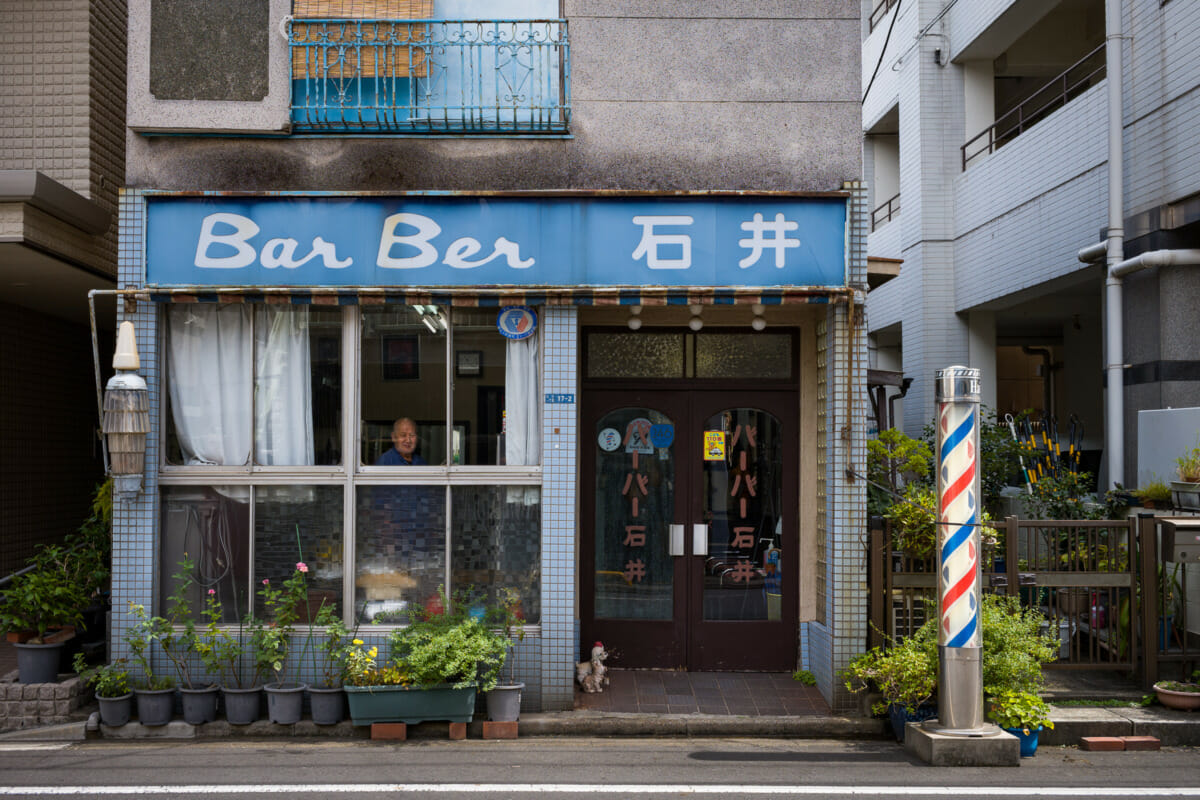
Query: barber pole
{"type": "Point", "coordinates": [960, 640]}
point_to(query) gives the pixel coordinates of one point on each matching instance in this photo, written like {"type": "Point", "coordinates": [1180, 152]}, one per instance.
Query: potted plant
{"type": "Point", "coordinates": [504, 699]}
{"type": "Point", "coordinates": [111, 683]}
{"type": "Point", "coordinates": [436, 665]}
{"type": "Point", "coordinates": [180, 642]}
{"type": "Point", "coordinates": [39, 611]}
{"type": "Point", "coordinates": [327, 698]}
{"type": "Point", "coordinates": [1154, 494]}
{"type": "Point", "coordinates": [1185, 492]}
{"type": "Point", "coordinates": [273, 643]}
{"type": "Point", "coordinates": [1182, 695]}
{"type": "Point", "coordinates": [904, 673]}
{"type": "Point", "coordinates": [1021, 713]}
{"type": "Point", "coordinates": [154, 694]}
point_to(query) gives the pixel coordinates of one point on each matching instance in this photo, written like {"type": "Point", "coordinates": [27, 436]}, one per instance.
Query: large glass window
{"type": "Point", "coordinates": [444, 410]}
{"type": "Point", "coordinates": [253, 384]}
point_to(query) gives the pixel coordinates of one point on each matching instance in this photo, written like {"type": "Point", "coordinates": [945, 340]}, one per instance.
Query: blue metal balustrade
{"type": "Point", "coordinates": [430, 76]}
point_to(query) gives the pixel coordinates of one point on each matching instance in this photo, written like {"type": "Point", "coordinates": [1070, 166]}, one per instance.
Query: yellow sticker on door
{"type": "Point", "coordinates": [714, 445]}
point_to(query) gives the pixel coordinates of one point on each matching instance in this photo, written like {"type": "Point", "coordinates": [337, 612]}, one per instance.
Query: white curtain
{"type": "Point", "coordinates": [209, 382]}
{"type": "Point", "coordinates": [283, 426]}
{"type": "Point", "coordinates": [210, 351]}
{"type": "Point", "coordinates": [522, 403]}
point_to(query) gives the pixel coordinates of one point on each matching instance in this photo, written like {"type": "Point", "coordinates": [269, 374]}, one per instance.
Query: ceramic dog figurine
{"type": "Point", "coordinates": [591, 674]}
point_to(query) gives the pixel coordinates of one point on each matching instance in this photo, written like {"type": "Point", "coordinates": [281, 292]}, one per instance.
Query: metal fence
{"type": "Point", "coordinates": [430, 76]}
{"type": "Point", "coordinates": [1101, 586]}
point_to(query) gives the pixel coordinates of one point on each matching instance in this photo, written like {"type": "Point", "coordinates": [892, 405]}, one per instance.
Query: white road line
{"type": "Point", "coordinates": [579, 789]}
{"type": "Point", "coordinates": [15, 747]}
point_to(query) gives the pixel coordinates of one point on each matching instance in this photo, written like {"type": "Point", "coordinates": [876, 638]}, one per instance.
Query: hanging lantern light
{"type": "Point", "coordinates": [126, 416]}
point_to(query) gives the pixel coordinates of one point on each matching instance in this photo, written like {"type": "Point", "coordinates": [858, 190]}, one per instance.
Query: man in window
{"type": "Point", "coordinates": [404, 446]}
{"type": "Point", "coordinates": [402, 548]}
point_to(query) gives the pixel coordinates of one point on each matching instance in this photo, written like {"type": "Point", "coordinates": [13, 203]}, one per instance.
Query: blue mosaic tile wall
{"type": "Point", "coordinates": [559, 524]}
{"type": "Point", "coordinates": [135, 544]}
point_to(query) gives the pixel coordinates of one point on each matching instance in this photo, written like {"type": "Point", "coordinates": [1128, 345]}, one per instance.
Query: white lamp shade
{"type": "Point", "coordinates": [126, 356]}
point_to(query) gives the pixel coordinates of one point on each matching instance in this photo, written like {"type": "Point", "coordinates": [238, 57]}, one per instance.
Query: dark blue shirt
{"type": "Point", "coordinates": [392, 458]}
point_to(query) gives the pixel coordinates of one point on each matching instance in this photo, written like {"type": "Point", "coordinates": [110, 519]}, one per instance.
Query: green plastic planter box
{"type": "Point", "coordinates": [410, 704]}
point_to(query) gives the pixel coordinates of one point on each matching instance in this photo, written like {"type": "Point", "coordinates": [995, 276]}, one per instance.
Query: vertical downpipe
{"type": "Point", "coordinates": [1114, 429]}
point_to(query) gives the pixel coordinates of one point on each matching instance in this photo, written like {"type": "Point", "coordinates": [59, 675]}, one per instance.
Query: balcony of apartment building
{"type": "Point", "coordinates": [351, 67]}
{"type": "Point", "coordinates": [1022, 70]}
{"type": "Point", "coordinates": [394, 67]}
{"type": "Point", "coordinates": [882, 165]}
{"type": "Point", "coordinates": [1034, 112]}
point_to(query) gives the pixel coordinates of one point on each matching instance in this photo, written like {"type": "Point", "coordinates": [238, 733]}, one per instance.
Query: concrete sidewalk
{"type": "Point", "coordinates": [1172, 728]}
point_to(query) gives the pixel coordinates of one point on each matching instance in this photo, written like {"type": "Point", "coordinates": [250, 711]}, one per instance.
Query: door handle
{"type": "Point", "coordinates": [675, 543]}
{"type": "Point", "coordinates": [699, 540]}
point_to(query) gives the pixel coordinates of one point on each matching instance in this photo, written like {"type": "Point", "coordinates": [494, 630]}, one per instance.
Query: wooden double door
{"type": "Point", "coordinates": [689, 536]}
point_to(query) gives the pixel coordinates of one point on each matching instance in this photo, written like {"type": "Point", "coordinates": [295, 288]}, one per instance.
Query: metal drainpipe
{"type": "Point", "coordinates": [1114, 426]}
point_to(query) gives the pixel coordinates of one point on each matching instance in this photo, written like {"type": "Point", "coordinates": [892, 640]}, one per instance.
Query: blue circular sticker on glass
{"type": "Point", "coordinates": [516, 322]}
{"type": "Point", "coordinates": [662, 435]}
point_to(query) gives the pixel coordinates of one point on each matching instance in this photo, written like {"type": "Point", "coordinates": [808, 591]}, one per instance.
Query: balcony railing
{"type": "Point", "coordinates": [1078, 78]}
{"type": "Point", "coordinates": [430, 76]}
{"type": "Point", "coordinates": [885, 212]}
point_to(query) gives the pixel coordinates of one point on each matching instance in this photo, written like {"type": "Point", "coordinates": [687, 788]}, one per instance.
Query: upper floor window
{"type": "Point", "coordinates": [420, 66]}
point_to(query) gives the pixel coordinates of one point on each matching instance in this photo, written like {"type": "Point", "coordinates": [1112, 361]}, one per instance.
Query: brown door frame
{"type": "Point", "coordinates": [687, 640]}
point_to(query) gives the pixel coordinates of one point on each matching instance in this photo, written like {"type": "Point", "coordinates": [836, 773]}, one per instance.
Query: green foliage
{"type": "Point", "coordinates": [63, 579]}
{"type": "Point", "coordinates": [905, 672]}
{"type": "Point", "coordinates": [804, 677]}
{"type": "Point", "coordinates": [914, 524]}
{"type": "Point", "coordinates": [333, 647]}
{"type": "Point", "coordinates": [1014, 647]}
{"type": "Point", "coordinates": [1064, 496]}
{"type": "Point", "coordinates": [273, 640]}
{"type": "Point", "coordinates": [45, 598]}
{"type": "Point", "coordinates": [109, 680]}
{"type": "Point", "coordinates": [141, 636]}
{"type": "Point", "coordinates": [1189, 465]}
{"type": "Point", "coordinates": [1154, 492]}
{"type": "Point", "coordinates": [1015, 709]}
{"type": "Point", "coordinates": [449, 646]}
{"type": "Point", "coordinates": [893, 460]}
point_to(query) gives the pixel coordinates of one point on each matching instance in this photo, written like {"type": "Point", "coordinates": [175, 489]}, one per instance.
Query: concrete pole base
{"type": "Point", "coordinates": [989, 748]}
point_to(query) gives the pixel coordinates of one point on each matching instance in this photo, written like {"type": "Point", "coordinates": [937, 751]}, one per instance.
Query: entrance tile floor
{"type": "Point", "coordinates": [755, 694]}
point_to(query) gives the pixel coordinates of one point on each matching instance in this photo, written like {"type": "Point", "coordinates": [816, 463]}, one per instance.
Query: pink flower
{"type": "Point", "coordinates": [212, 591]}
{"type": "Point", "coordinates": [266, 581]}
{"type": "Point", "coordinates": [301, 566]}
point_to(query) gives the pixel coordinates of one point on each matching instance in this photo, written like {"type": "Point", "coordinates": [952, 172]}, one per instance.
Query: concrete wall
{"type": "Point", "coordinates": [665, 96]}
{"type": "Point", "coordinates": [62, 94]}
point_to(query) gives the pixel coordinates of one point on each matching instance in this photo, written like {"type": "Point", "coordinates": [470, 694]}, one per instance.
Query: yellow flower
{"type": "Point", "coordinates": [358, 641]}
{"type": "Point", "coordinates": [374, 651]}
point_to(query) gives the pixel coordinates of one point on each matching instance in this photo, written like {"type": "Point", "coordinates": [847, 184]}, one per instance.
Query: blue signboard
{"type": "Point", "coordinates": [495, 241]}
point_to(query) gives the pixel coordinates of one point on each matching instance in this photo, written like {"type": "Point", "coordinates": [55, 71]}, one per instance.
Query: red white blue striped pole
{"type": "Point", "coordinates": [960, 642]}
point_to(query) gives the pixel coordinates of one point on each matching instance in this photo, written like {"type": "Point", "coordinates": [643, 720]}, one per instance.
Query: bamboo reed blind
{"type": "Point", "coordinates": [384, 51]}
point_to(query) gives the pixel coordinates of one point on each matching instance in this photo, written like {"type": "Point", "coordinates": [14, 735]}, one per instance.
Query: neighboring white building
{"type": "Point", "coordinates": [986, 151]}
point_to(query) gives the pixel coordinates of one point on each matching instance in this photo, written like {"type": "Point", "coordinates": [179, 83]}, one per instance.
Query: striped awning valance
{"type": "Point", "coordinates": [499, 297]}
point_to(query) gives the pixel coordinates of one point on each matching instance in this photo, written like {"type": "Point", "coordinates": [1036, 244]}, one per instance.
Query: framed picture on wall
{"type": "Point", "coordinates": [400, 357]}
{"type": "Point", "coordinates": [468, 363]}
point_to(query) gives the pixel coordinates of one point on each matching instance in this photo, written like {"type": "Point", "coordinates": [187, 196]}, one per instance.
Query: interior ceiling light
{"type": "Point", "coordinates": [634, 322]}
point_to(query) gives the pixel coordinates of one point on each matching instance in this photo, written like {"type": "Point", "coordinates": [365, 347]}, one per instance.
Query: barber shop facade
{"type": "Point", "coordinates": [637, 411]}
